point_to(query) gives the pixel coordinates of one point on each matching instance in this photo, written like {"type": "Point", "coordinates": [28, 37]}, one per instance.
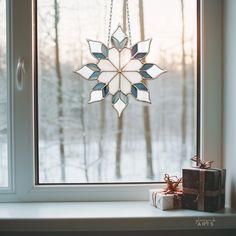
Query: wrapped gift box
{"type": "Point", "coordinates": [163, 201]}
{"type": "Point", "coordinates": [204, 189]}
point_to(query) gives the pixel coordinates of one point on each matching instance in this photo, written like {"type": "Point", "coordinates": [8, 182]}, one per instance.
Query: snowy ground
{"type": "Point", "coordinates": [133, 163]}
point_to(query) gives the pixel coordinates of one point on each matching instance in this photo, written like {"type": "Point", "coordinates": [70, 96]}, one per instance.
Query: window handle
{"type": "Point", "coordinates": [20, 73]}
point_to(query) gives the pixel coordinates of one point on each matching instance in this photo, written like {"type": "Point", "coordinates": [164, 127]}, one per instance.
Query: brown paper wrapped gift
{"type": "Point", "coordinates": [204, 188]}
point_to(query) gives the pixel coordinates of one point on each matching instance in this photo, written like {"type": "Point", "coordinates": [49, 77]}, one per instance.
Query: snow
{"type": "Point", "coordinates": [90, 131]}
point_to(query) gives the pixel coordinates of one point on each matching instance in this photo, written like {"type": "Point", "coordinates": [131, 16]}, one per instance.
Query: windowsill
{"type": "Point", "coordinates": [138, 215]}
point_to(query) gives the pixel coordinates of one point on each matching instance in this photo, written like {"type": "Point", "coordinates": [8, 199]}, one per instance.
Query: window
{"type": "Point", "coordinates": [29, 115]}
{"type": "Point", "coordinates": [3, 99]}
{"type": "Point", "coordinates": [83, 143]}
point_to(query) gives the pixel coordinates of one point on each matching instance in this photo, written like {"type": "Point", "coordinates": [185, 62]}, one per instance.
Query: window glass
{"type": "Point", "coordinates": [3, 99]}
{"type": "Point", "coordinates": [87, 143]}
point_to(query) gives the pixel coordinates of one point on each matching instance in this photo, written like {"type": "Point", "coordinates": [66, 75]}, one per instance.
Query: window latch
{"type": "Point", "coordinates": [20, 73]}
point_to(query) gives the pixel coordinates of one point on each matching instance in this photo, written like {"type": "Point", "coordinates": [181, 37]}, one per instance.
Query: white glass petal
{"type": "Point", "coordinates": [105, 77]}
{"type": "Point", "coordinates": [141, 49]}
{"type": "Point", "coordinates": [106, 65]}
{"type": "Point", "coordinates": [119, 34]}
{"type": "Point", "coordinates": [155, 71]}
{"type": "Point", "coordinates": [125, 56]}
{"type": "Point", "coordinates": [85, 72]}
{"type": "Point", "coordinates": [98, 49]}
{"type": "Point", "coordinates": [94, 46]}
{"type": "Point", "coordinates": [133, 77]}
{"type": "Point", "coordinates": [96, 96]}
{"type": "Point", "coordinates": [113, 56]}
{"type": "Point", "coordinates": [119, 39]}
{"type": "Point", "coordinates": [144, 46]}
{"type": "Point", "coordinates": [133, 65]}
{"type": "Point", "coordinates": [114, 85]}
{"type": "Point", "coordinates": [125, 85]}
{"type": "Point", "coordinates": [143, 96]}
{"type": "Point", "coordinates": [119, 106]}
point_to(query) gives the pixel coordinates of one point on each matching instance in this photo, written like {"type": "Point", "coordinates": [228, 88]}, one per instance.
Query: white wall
{"type": "Point", "coordinates": [229, 78]}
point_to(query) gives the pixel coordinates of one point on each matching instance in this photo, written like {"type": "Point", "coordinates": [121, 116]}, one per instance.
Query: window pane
{"type": "Point", "coordinates": [3, 98]}
{"type": "Point", "coordinates": [87, 143]}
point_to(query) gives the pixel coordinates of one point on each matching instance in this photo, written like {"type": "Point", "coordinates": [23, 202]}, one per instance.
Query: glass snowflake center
{"type": "Point", "coordinates": [120, 71]}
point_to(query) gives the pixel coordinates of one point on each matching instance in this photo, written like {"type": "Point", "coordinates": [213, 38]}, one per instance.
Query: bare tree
{"type": "Point", "coordinates": [101, 140]}
{"type": "Point", "coordinates": [82, 112]}
{"type": "Point", "coordinates": [60, 112]}
{"type": "Point", "coordinates": [162, 125]}
{"type": "Point", "coordinates": [101, 134]}
{"type": "Point", "coordinates": [146, 113]}
{"type": "Point", "coordinates": [193, 94]}
{"type": "Point", "coordinates": [82, 120]}
{"type": "Point", "coordinates": [119, 133]}
{"type": "Point", "coordinates": [184, 89]}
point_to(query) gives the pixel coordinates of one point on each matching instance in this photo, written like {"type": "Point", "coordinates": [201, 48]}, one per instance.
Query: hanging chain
{"type": "Point", "coordinates": [128, 19]}
{"type": "Point", "coordinates": [109, 24]}
{"type": "Point", "coordinates": [110, 21]}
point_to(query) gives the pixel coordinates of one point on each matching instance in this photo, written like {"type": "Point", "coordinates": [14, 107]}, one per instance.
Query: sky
{"type": "Point", "coordinates": [81, 20]}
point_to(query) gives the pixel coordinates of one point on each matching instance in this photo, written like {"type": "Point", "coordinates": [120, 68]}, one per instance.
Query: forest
{"type": "Point", "coordinates": [88, 143]}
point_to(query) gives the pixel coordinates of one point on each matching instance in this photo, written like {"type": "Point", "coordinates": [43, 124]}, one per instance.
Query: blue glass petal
{"type": "Point", "coordinates": [134, 49]}
{"type": "Point", "coordinates": [105, 91]}
{"type": "Point", "coordinates": [99, 55]}
{"type": "Point", "coordinates": [140, 55]}
{"type": "Point", "coordinates": [96, 70]}
{"type": "Point", "coordinates": [136, 54]}
{"type": "Point", "coordinates": [119, 45]}
{"type": "Point", "coordinates": [123, 97]}
{"type": "Point", "coordinates": [103, 87]}
{"type": "Point", "coordinates": [146, 66]}
{"type": "Point", "coordinates": [140, 49]}
{"type": "Point", "coordinates": [99, 86]}
{"type": "Point", "coordinates": [115, 42]}
{"type": "Point", "coordinates": [123, 43]}
{"type": "Point", "coordinates": [93, 66]}
{"type": "Point", "coordinates": [95, 75]}
{"type": "Point", "coordinates": [98, 49]}
{"type": "Point", "coordinates": [115, 97]}
{"type": "Point", "coordinates": [141, 86]}
{"type": "Point", "coordinates": [144, 74]}
{"type": "Point", "coordinates": [136, 87]}
{"type": "Point", "coordinates": [134, 91]}
{"type": "Point", "coordinates": [104, 50]}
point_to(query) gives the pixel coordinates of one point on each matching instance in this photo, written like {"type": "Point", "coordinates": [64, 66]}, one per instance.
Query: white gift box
{"type": "Point", "coordinates": [164, 201]}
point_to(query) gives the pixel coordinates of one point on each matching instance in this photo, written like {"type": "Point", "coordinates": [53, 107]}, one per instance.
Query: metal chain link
{"type": "Point", "coordinates": [110, 21]}
{"type": "Point", "coordinates": [128, 19]}
{"type": "Point", "coordinates": [109, 24]}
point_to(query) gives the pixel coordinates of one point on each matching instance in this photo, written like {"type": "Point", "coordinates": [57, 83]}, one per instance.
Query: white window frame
{"type": "Point", "coordinates": [22, 177]}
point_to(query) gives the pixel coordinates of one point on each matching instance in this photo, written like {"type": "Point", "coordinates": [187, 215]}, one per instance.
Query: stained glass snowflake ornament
{"type": "Point", "coordinates": [120, 71]}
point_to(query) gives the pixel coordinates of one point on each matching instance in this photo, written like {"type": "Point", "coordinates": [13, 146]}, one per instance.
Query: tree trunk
{"type": "Point", "coordinates": [146, 113]}
{"type": "Point", "coordinates": [102, 134]}
{"type": "Point", "coordinates": [162, 130]}
{"type": "Point", "coordinates": [119, 133]}
{"type": "Point", "coordinates": [82, 115]}
{"type": "Point", "coordinates": [60, 112]}
{"type": "Point", "coordinates": [193, 98]}
{"type": "Point", "coordinates": [101, 140]}
{"type": "Point", "coordinates": [82, 120]}
{"type": "Point", "coordinates": [184, 89]}
{"type": "Point", "coordinates": [118, 146]}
